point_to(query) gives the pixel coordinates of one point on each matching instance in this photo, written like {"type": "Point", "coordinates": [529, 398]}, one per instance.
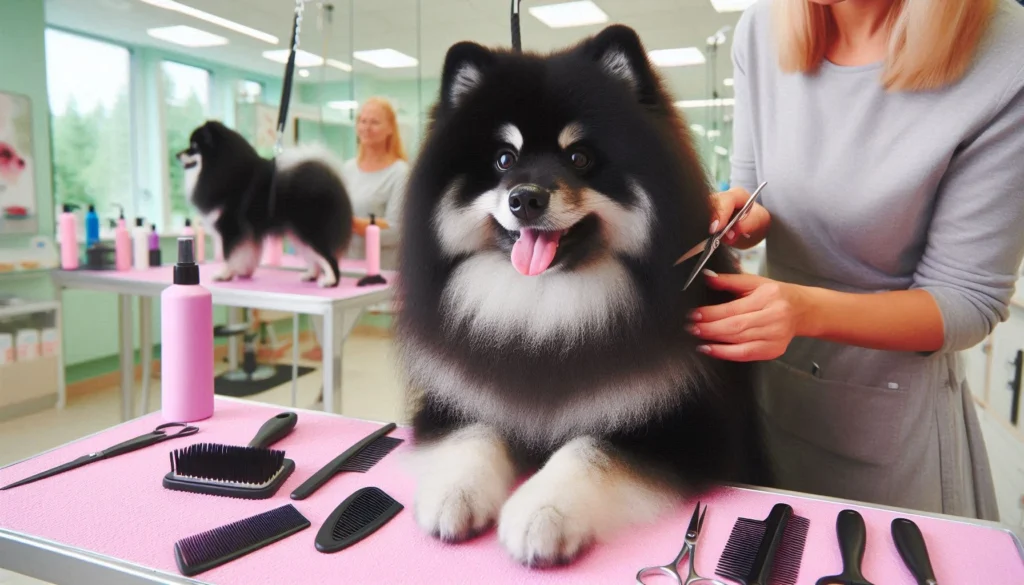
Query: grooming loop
{"type": "Point", "coordinates": [289, 73]}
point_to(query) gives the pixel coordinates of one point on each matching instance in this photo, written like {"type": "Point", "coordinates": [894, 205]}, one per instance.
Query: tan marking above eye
{"type": "Point", "coordinates": [570, 135]}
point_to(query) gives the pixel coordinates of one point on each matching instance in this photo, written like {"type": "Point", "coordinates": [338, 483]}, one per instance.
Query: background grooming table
{"type": "Point", "coordinates": [113, 523]}
{"type": "Point", "coordinates": [271, 289]}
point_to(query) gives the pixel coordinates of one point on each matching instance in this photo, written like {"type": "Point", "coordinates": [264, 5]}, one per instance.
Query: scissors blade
{"type": "Point", "coordinates": [700, 263]}
{"type": "Point", "coordinates": [83, 460]}
{"type": "Point", "coordinates": [717, 236]}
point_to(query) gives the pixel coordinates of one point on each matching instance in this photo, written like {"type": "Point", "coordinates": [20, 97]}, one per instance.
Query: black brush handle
{"type": "Point", "coordinates": [318, 479]}
{"type": "Point", "coordinates": [274, 430]}
{"type": "Point", "coordinates": [775, 526]}
{"type": "Point", "coordinates": [910, 544]}
{"type": "Point", "coordinates": [852, 539]}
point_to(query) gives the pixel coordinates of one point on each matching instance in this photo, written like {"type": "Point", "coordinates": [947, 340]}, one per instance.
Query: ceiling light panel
{"type": "Point", "coordinates": [569, 14]}
{"type": "Point", "coordinates": [187, 36]}
{"type": "Point", "coordinates": [212, 19]}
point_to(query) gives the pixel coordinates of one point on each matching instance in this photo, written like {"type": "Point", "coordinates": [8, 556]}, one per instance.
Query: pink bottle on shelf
{"type": "Point", "coordinates": [200, 243]}
{"type": "Point", "coordinates": [122, 245]}
{"type": "Point", "coordinates": [67, 235]}
{"type": "Point", "coordinates": [272, 249]}
{"type": "Point", "coordinates": [372, 255]}
{"type": "Point", "coordinates": [186, 360]}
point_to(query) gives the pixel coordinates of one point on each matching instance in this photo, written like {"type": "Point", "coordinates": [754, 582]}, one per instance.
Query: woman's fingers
{"type": "Point", "coordinates": [744, 352]}
{"type": "Point", "coordinates": [725, 205]}
{"type": "Point", "coordinates": [713, 313]}
{"type": "Point", "coordinates": [739, 329]}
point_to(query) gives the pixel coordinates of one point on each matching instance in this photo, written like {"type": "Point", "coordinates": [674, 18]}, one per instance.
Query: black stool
{"type": "Point", "coordinates": [250, 371]}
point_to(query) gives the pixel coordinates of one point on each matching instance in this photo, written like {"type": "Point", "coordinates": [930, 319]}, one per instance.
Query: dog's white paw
{"type": "Point", "coordinates": [540, 527]}
{"type": "Point", "coordinates": [224, 275]}
{"type": "Point", "coordinates": [462, 482]}
{"type": "Point", "coordinates": [309, 275]}
{"type": "Point", "coordinates": [580, 496]}
{"type": "Point", "coordinates": [327, 280]}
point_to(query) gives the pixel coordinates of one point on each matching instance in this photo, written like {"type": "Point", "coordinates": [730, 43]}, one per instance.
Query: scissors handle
{"type": "Point", "coordinates": [148, 439]}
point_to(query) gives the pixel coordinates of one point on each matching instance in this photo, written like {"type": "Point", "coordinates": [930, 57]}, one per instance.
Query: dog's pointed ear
{"type": "Point", "coordinates": [619, 52]}
{"type": "Point", "coordinates": [464, 69]}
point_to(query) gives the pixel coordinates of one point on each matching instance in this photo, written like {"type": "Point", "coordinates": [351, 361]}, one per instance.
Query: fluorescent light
{"type": "Point", "coordinates": [568, 14]}
{"type": "Point", "coordinates": [343, 105]}
{"type": "Point", "coordinates": [339, 65]}
{"type": "Point", "coordinates": [303, 72]}
{"type": "Point", "coordinates": [679, 57]}
{"type": "Point", "coordinates": [705, 103]}
{"type": "Point", "coordinates": [731, 5]}
{"type": "Point", "coordinates": [727, 82]}
{"type": "Point", "coordinates": [698, 129]}
{"type": "Point", "coordinates": [302, 58]}
{"type": "Point", "coordinates": [187, 36]}
{"type": "Point", "coordinates": [213, 19]}
{"type": "Point", "coordinates": [385, 58]}
{"type": "Point", "coordinates": [721, 150]}
{"type": "Point", "coordinates": [714, 133]}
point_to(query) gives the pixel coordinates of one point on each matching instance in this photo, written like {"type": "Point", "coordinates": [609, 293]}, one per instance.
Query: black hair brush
{"type": "Point", "coordinates": [765, 552]}
{"type": "Point", "coordinates": [253, 472]}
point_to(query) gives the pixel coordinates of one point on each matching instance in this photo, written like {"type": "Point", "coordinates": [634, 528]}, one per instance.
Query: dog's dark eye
{"type": "Point", "coordinates": [506, 158]}
{"type": "Point", "coordinates": [580, 159]}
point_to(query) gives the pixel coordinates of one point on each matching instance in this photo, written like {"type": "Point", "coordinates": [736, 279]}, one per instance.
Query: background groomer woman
{"type": "Point", "coordinates": [376, 179]}
{"type": "Point", "coordinates": [891, 135]}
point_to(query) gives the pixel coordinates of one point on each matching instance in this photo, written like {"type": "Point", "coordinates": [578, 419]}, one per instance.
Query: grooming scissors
{"type": "Point", "coordinates": [156, 436]}
{"type": "Point", "coordinates": [689, 550]}
{"type": "Point", "coordinates": [708, 246]}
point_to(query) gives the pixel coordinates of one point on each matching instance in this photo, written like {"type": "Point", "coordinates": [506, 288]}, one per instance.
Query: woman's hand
{"type": "Point", "coordinates": [750, 229]}
{"type": "Point", "coordinates": [757, 326]}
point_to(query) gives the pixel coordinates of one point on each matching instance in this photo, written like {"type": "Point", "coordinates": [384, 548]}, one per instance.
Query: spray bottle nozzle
{"type": "Point", "coordinates": [121, 207]}
{"type": "Point", "coordinates": [373, 219]}
{"type": "Point", "coordinates": [186, 253]}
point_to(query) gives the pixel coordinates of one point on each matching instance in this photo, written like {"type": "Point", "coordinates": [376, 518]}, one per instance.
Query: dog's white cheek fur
{"type": "Point", "coordinates": [578, 497]}
{"type": "Point", "coordinates": [461, 482]}
{"type": "Point", "coordinates": [192, 176]}
{"type": "Point", "coordinates": [463, 230]}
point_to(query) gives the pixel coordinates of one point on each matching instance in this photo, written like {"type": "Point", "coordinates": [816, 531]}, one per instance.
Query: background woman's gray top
{"type": "Point", "coordinates": [875, 191]}
{"type": "Point", "coordinates": [380, 193]}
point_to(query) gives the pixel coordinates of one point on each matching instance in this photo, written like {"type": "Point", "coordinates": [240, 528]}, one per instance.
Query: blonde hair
{"type": "Point", "coordinates": [394, 145]}
{"type": "Point", "coordinates": [931, 42]}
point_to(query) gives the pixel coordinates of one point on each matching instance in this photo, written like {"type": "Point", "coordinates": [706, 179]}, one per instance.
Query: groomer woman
{"type": "Point", "coordinates": [376, 179]}
{"type": "Point", "coordinates": [891, 135]}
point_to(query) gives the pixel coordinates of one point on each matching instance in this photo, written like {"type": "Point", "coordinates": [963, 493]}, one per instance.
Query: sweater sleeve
{"type": "Point", "coordinates": [393, 206]}
{"type": "Point", "coordinates": [976, 237]}
{"type": "Point", "coordinates": [743, 170]}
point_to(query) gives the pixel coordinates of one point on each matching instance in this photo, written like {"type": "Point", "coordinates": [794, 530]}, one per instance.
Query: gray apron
{"type": "Point", "coordinates": [890, 428]}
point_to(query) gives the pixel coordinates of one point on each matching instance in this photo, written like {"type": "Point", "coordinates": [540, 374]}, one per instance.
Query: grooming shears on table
{"type": "Point", "coordinates": [689, 550]}
{"type": "Point", "coordinates": [711, 244]}
{"type": "Point", "coordinates": [156, 436]}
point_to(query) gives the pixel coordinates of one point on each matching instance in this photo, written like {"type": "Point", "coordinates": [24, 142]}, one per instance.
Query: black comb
{"type": "Point", "coordinates": [765, 552]}
{"type": "Point", "coordinates": [359, 458]}
{"type": "Point", "coordinates": [359, 516]}
{"type": "Point", "coordinates": [252, 472]}
{"type": "Point", "coordinates": [206, 550]}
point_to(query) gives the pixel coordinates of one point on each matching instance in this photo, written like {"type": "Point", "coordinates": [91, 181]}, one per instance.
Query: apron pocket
{"type": "Point", "coordinates": [857, 422]}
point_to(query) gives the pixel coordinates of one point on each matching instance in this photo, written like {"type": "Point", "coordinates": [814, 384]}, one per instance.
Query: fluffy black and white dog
{"type": "Point", "coordinates": [543, 326]}
{"type": "Point", "coordinates": [244, 198]}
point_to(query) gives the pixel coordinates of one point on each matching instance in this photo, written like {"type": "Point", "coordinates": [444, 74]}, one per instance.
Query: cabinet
{"type": "Point", "coordinates": [31, 376]}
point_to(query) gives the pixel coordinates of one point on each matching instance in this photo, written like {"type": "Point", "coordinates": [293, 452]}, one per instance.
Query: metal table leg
{"type": "Point", "coordinates": [124, 322]}
{"type": "Point", "coordinates": [62, 390]}
{"type": "Point", "coordinates": [295, 359]}
{"type": "Point", "coordinates": [146, 347]}
{"type": "Point", "coordinates": [331, 367]}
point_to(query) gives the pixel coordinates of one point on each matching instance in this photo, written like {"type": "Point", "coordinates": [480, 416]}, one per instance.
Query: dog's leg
{"type": "Point", "coordinates": [323, 267]}
{"type": "Point", "coordinates": [306, 253]}
{"type": "Point", "coordinates": [462, 480]}
{"type": "Point", "coordinates": [582, 494]}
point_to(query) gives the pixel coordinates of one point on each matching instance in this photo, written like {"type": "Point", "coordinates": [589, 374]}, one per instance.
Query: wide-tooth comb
{"type": "Point", "coordinates": [359, 458]}
{"type": "Point", "coordinates": [765, 552]}
{"type": "Point", "coordinates": [359, 516]}
{"type": "Point", "coordinates": [212, 548]}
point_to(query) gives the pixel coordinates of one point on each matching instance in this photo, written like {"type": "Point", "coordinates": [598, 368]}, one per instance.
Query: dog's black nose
{"type": "Point", "coordinates": [528, 201]}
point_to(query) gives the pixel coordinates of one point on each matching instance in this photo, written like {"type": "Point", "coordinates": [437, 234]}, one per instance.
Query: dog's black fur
{"type": "Point", "coordinates": [253, 197]}
{"type": "Point", "coordinates": [708, 431]}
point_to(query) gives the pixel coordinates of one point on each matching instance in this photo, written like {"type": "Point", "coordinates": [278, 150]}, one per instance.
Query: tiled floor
{"type": "Point", "coordinates": [371, 390]}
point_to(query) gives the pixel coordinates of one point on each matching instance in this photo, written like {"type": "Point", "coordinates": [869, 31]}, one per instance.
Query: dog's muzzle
{"type": "Point", "coordinates": [528, 201]}
{"type": "Point", "coordinates": [188, 158]}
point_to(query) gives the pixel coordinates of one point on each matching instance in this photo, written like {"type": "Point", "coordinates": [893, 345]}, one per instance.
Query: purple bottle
{"type": "Point", "coordinates": [186, 337]}
{"type": "Point", "coordinates": [154, 247]}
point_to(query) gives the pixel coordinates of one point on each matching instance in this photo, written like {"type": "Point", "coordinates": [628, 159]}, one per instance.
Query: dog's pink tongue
{"type": "Point", "coordinates": [534, 251]}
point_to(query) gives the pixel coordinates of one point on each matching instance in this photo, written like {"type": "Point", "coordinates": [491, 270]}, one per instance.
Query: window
{"type": "Point", "coordinates": [249, 92]}
{"type": "Point", "coordinates": [90, 110]}
{"type": "Point", "coordinates": [186, 92]}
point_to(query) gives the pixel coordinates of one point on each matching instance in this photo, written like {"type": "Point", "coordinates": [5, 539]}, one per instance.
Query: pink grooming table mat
{"type": "Point", "coordinates": [265, 279]}
{"type": "Point", "coordinates": [118, 508]}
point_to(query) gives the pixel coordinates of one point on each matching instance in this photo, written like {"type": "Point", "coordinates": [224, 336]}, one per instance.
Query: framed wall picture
{"type": "Point", "coordinates": [17, 166]}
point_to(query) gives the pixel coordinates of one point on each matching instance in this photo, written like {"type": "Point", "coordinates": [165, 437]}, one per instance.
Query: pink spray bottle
{"type": "Point", "coordinates": [372, 255]}
{"type": "Point", "coordinates": [186, 360]}
{"type": "Point", "coordinates": [67, 235]}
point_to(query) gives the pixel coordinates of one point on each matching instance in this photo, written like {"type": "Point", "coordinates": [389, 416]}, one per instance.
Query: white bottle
{"type": "Point", "coordinates": [140, 245]}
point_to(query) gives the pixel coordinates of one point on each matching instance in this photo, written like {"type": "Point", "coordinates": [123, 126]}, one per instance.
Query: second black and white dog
{"type": "Point", "coordinates": [244, 198]}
